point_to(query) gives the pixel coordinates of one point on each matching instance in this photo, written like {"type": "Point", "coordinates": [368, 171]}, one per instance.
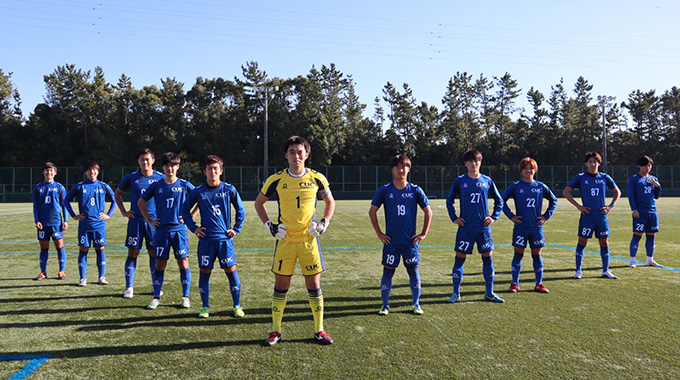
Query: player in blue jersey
{"type": "Point", "coordinates": [643, 191]}
{"type": "Point", "coordinates": [593, 186]}
{"type": "Point", "coordinates": [92, 196]}
{"type": "Point", "coordinates": [528, 196]}
{"type": "Point", "coordinates": [216, 234]}
{"type": "Point", "coordinates": [51, 219]}
{"type": "Point", "coordinates": [401, 199]}
{"type": "Point", "coordinates": [138, 229]}
{"type": "Point", "coordinates": [474, 222]}
{"type": "Point", "coordinates": [169, 194]}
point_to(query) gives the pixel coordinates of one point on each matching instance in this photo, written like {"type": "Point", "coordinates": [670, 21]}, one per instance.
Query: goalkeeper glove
{"type": "Point", "coordinates": [276, 230]}
{"type": "Point", "coordinates": [317, 228]}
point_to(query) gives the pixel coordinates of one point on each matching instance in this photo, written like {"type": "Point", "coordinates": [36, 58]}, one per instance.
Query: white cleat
{"type": "Point", "coordinates": [82, 282]}
{"type": "Point", "coordinates": [102, 281]}
{"type": "Point", "coordinates": [652, 263]}
{"type": "Point", "coordinates": [186, 303]}
{"type": "Point", "coordinates": [578, 274]}
{"type": "Point", "coordinates": [129, 292]}
{"type": "Point", "coordinates": [633, 263]}
{"type": "Point", "coordinates": [154, 303]}
{"type": "Point", "coordinates": [609, 274]}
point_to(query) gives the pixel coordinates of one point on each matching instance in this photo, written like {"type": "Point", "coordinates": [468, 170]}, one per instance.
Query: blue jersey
{"type": "Point", "coordinates": [215, 207]}
{"type": "Point", "coordinates": [92, 197]}
{"type": "Point", "coordinates": [168, 199]}
{"type": "Point", "coordinates": [474, 200]}
{"type": "Point", "coordinates": [593, 190]}
{"type": "Point", "coordinates": [48, 203]}
{"type": "Point", "coordinates": [138, 184]}
{"type": "Point", "coordinates": [529, 202]}
{"type": "Point", "coordinates": [642, 195]}
{"type": "Point", "coordinates": [401, 207]}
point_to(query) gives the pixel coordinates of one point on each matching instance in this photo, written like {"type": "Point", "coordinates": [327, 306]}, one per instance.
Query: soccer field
{"type": "Point", "coordinates": [587, 329]}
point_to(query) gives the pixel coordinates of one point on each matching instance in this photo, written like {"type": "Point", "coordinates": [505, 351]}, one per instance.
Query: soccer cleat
{"type": "Point", "coordinates": [652, 263]}
{"type": "Point", "coordinates": [384, 310]}
{"type": "Point", "coordinates": [454, 298]}
{"type": "Point", "coordinates": [578, 274]}
{"type": "Point", "coordinates": [633, 263]}
{"type": "Point", "coordinates": [323, 338]}
{"type": "Point", "coordinates": [238, 312]}
{"type": "Point", "coordinates": [102, 281]}
{"type": "Point", "coordinates": [514, 288]}
{"type": "Point", "coordinates": [273, 338]}
{"type": "Point", "coordinates": [417, 310]}
{"type": "Point", "coordinates": [609, 274]}
{"type": "Point", "coordinates": [154, 303]}
{"type": "Point", "coordinates": [82, 282]}
{"type": "Point", "coordinates": [185, 302]}
{"type": "Point", "coordinates": [541, 289]}
{"type": "Point", "coordinates": [41, 276]}
{"type": "Point", "coordinates": [205, 312]}
{"type": "Point", "coordinates": [129, 292]}
{"type": "Point", "coordinates": [61, 275]}
{"type": "Point", "coordinates": [493, 297]}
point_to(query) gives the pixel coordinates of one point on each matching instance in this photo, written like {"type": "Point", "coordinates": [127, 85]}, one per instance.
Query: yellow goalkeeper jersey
{"type": "Point", "coordinates": [297, 197]}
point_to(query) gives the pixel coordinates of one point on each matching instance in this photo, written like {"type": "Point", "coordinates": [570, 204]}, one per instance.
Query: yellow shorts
{"type": "Point", "coordinates": [288, 252]}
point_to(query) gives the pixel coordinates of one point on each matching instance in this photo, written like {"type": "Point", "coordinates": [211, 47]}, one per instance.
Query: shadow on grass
{"type": "Point", "coordinates": [44, 299]}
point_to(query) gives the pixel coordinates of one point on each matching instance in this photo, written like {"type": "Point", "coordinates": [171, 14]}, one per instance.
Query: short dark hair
{"type": "Point", "coordinates": [645, 160]}
{"type": "Point", "coordinates": [49, 164]}
{"type": "Point", "coordinates": [171, 158]}
{"type": "Point", "coordinates": [292, 140]}
{"type": "Point", "coordinates": [594, 155]}
{"type": "Point", "coordinates": [400, 160]}
{"type": "Point", "coordinates": [528, 161]}
{"type": "Point", "coordinates": [212, 159]}
{"type": "Point", "coordinates": [91, 164]}
{"type": "Point", "coordinates": [146, 151]}
{"type": "Point", "coordinates": [472, 155]}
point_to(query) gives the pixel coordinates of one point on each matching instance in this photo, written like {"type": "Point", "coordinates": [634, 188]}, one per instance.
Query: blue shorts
{"type": "Point", "coordinates": [177, 240]}
{"type": "Point", "coordinates": [89, 235]}
{"type": "Point", "coordinates": [534, 236]}
{"type": "Point", "coordinates": [53, 232]}
{"type": "Point", "coordinates": [588, 224]}
{"type": "Point", "coordinates": [223, 250]}
{"type": "Point", "coordinates": [392, 253]}
{"type": "Point", "coordinates": [137, 230]}
{"type": "Point", "coordinates": [647, 222]}
{"type": "Point", "coordinates": [466, 239]}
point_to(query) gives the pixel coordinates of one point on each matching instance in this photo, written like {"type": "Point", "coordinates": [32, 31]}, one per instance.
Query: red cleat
{"type": "Point", "coordinates": [541, 289]}
{"type": "Point", "coordinates": [514, 288]}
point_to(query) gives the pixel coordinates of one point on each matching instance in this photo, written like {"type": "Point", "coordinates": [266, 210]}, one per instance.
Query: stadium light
{"type": "Point", "coordinates": [265, 94]}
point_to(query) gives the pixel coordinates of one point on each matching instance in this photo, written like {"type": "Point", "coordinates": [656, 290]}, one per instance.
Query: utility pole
{"type": "Point", "coordinates": [266, 95]}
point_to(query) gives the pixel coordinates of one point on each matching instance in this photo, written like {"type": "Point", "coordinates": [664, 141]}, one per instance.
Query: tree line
{"type": "Point", "coordinates": [86, 117]}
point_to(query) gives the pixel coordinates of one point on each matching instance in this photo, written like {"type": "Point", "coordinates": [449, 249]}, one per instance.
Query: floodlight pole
{"type": "Point", "coordinates": [604, 136]}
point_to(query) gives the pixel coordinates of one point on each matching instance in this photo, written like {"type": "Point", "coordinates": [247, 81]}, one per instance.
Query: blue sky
{"type": "Point", "coordinates": [618, 46]}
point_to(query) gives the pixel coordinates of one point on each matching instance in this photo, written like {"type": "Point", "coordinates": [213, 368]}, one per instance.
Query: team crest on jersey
{"type": "Point", "coordinates": [204, 196]}
{"type": "Point", "coordinates": [391, 196]}
{"type": "Point", "coordinates": [285, 186]}
{"type": "Point", "coordinates": [521, 191]}
{"type": "Point", "coordinates": [160, 191]}
{"type": "Point", "coordinates": [586, 182]}
{"type": "Point", "coordinates": [465, 186]}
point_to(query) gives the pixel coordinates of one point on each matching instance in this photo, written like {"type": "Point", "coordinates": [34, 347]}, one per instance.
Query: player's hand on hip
{"type": "Point", "coordinates": [487, 221]}
{"type": "Point", "coordinates": [79, 217]}
{"type": "Point", "coordinates": [460, 222]}
{"type": "Point", "coordinates": [517, 219]}
{"type": "Point", "coordinates": [383, 238]}
{"type": "Point", "coordinates": [418, 238]}
{"type": "Point", "coordinates": [541, 220]}
{"type": "Point", "coordinates": [584, 210]}
{"type": "Point", "coordinates": [315, 229]}
{"type": "Point", "coordinates": [231, 233]}
{"type": "Point", "coordinates": [103, 216]}
{"type": "Point", "coordinates": [156, 223]}
{"type": "Point", "coordinates": [129, 214]}
{"type": "Point", "coordinates": [276, 230]}
{"type": "Point", "coordinates": [200, 232]}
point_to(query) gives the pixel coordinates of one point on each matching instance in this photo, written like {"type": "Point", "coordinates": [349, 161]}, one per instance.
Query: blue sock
{"type": "Point", "coordinates": [130, 268]}
{"type": "Point", "coordinates": [649, 245]}
{"type": "Point", "coordinates": [489, 273]}
{"type": "Point", "coordinates": [235, 287]}
{"type": "Point", "coordinates": [414, 282]}
{"type": "Point", "coordinates": [61, 255]}
{"type": "Point", "coordinates": [634, 242]}
{"type": "Point", "coordinates": [185, 279]}
{"type": "Point", "coordinates": [579, 255]}
{"type": "Point", "coordinates": [43, 260]}
{"type": "Point", "coordinates": [158, 277]}
{"type": "Point", "coordinates": [604, 253]}
{"type": "Point", "coordinates": [82, 263]}
{"type": "Point", "coordinates": [204, 288]}
{"type": "Point", "coordinates": [101, 261]}
{"type": "Point", "coordinates": [516, 267]}
{"type": "Point", "coordinates": [152, 264]}
{"type": "Point", "coordinates": [386, 285]}
{"type": "Point", "coordinates": [457, 274]}
{"type": "Point", "coordinates": [538, 268]}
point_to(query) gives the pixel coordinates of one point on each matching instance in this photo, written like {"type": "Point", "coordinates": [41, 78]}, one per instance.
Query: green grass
{"type": "Point", "coordinates": [588, 329]}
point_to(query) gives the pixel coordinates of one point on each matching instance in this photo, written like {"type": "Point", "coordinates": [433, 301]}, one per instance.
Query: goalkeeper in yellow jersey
{"type": "Point", "coordinates": [297, 232]}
